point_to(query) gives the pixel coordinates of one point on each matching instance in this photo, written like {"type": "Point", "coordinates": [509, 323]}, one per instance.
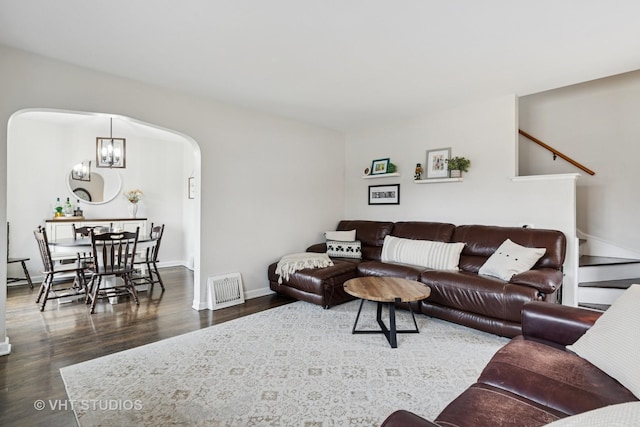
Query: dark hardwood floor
{"type": "Point", "coordinates": [65, 334]}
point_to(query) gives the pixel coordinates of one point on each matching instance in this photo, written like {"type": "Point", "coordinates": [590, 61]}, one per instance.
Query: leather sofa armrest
{"type": "Point", "coordinates": [546, 280]}
{"type": "Point", "coordinates": [556, 324]}
{"type": "Point", "coordinates": [404, 418]}
{"type": "Point", "coordinates": [318, 248]}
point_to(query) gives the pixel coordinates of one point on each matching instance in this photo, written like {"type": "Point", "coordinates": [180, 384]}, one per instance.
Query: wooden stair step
{"type": "Point", "coordinates": [599, 307]}
{"type": "Point", "coordinates": [611, 284]}
{"type": "Point", "coordinates": [593, 261]}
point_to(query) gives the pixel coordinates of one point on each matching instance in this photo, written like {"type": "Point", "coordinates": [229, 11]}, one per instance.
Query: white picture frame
{"type": "Point", "coordinates": [436, 166]}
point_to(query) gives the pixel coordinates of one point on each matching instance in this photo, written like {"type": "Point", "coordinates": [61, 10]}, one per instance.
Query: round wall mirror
{"type": "Point", "coordinates": [93, 185]}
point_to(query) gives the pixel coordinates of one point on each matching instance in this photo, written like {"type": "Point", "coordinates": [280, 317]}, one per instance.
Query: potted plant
{"type": "Point", "coordinates": [457, 165]}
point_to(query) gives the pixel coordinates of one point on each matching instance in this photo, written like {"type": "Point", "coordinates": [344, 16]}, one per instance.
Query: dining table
{"type": "Point", "coordinates": [83, 244]}
{"type": "Point", "coordinates": [68, 248]}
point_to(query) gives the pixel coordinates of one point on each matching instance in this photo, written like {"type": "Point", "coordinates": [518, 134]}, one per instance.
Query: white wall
{"type": "Point", "coordinates": [596, 123]}
{"type": "Point", "coordinates": [269, 185]}
{"type": "Point", "coordinates": [486, 134]}
{"type": "Point", "coordinates": [155, 166]}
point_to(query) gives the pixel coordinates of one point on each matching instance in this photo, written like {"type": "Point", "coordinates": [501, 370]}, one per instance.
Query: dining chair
{"type": "Point", "coordinates": [82, 232]}
{"type": "Point", "coordinates": [67, 273]}
{"type": "Point", "coordinates": [150, 258]}
{"type": "Point", "coordinates": [113, 255]}
{"type": "Point", "coordinates": [22, 261]}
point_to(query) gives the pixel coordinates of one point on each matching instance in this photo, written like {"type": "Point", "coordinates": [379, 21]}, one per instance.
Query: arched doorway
{"type": "Point", "coordinates": [159, 161]}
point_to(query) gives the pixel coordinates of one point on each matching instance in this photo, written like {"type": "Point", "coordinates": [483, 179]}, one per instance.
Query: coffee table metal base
{"type": "Point", "coordinates": [390, 332]}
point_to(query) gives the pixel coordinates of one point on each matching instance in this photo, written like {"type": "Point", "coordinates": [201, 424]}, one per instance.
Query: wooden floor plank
{"type": "Point", "coordinates": [65, 334]}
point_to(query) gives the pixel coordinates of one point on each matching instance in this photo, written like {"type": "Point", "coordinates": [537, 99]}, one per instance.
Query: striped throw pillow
{"type": "Point", "coordinates": [423, 253]}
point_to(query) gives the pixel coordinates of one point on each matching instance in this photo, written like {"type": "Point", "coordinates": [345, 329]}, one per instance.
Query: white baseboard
{"type": "Point", "coordinates": [258, 293]}
{"type": "Point", "coordinates": [199, 305]}
{"type": "Point", "coordinates": [167, 264]}
{"type": "Point", "coordinates": [5, 347]}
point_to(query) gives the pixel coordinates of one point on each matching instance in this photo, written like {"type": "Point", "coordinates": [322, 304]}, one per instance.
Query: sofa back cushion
{"type": "Point", "coordinates": [371, 234]}
{"type": "Point", "coordinates": [481, 241]}
{"type": "Point", "coordinates": [421, 230]}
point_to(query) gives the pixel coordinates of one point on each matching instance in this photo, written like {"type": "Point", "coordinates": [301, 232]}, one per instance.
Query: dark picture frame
{"type": "Point", "coordinates": [384, 194]}
{"type": "Point", "coordinates": [380, 166]}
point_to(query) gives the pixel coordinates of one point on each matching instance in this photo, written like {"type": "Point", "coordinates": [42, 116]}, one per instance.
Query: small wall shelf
{"type": "Point", "coordinates": [382, 175]}
{"type": "Point", "coordinates": [437, 180]}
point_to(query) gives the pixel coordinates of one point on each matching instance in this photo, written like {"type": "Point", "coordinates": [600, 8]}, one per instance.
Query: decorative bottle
{"type": "Point", "coordinates": [78, 211]}
{"type": "Point", "coordinates": [58, 208]}
{"type": "Point", "coordinates": [68, 209]}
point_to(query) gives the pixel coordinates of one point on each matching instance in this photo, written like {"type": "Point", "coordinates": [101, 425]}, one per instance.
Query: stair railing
{"type": "Point", "coordinates": [556, 153]}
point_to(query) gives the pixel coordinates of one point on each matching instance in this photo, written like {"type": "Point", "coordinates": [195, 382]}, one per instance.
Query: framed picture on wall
{"type": "Point", "coordinates": [384, 194]}
{"type": "Point", "coordinates": [379, 166]}
{"type": "Point", "coordinates": [437, 163]}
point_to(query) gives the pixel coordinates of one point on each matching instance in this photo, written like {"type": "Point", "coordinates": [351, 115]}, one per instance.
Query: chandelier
{"type": "Point", "coordinates": [110, 152]}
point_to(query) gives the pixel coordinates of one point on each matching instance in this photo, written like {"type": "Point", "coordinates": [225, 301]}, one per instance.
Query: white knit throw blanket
{"type": "Point", "coordinates": [291, 263]}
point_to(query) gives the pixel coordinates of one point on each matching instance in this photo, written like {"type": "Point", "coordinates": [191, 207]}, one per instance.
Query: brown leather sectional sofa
{"type": "Point", "coordinates": [532, 380]}
{"type": "Point", "coordinates": [463, 297]}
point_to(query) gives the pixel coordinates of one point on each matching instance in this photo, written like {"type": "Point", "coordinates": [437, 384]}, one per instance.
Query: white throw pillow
{"type": "Point", "coordinates": [620, 415]}
{"type": "Point", "coordinates": [510, 259]}
{"type": "Point", "coordinates": [341, 236]}
{"type": "Point", "coordinates": [423, 253]}
{"type": "Point", "coordinates": [613, 342]}
{"type": "Point", "coordinates": [344, 249]}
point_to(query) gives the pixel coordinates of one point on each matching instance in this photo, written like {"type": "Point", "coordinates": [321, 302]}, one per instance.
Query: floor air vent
{"type": "Point", "coordinates": [225, 291]}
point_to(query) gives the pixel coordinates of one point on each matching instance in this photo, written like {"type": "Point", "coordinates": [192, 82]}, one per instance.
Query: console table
{"type": "Point", "coordinates": [62, 228]}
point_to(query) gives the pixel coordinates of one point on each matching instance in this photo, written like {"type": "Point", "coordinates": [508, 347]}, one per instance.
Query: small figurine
{"type": "Point", "coordinates": [418, 173]}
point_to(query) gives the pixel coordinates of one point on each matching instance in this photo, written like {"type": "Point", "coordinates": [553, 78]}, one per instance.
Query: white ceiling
{"type": "Point", "coordinates": [336, 63]}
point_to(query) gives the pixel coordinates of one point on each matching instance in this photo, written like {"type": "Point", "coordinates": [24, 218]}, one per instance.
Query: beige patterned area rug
{"type": "Point", "coordinates": [295, 365]}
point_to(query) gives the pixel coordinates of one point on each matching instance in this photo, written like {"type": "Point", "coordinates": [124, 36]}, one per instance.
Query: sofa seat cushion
{"type": "Point", "coordinates": [313, 280]}
{"type": "Point", "coordinates": [379, 268]}
{"type": "Point", "coordinates": [482, 405]}
{"type": "Point", "coordinates": [552, 377]}
{"type": "Point", "coordinates": [469, 292]}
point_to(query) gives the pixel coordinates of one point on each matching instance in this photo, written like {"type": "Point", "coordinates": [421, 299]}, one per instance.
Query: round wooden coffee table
{"type": "Point", "coordinates": [386, 291]}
